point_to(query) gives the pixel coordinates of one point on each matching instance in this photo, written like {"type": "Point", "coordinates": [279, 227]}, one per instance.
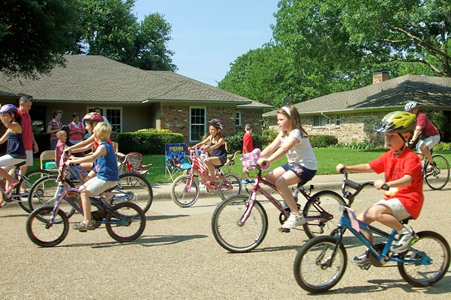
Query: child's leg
{"type": "Point", "coordinates": [6, 176]}
{"type": "Point", "coordinates": [211, 162]}
{"type": "Point", "coordinates": [283, 181]}
{"type": "Point", "coordinates": [86, 206]}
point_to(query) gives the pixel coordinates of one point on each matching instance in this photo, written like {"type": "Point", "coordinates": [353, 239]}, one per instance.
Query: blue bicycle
{"type": "Point", "coordinates": [321, 262]}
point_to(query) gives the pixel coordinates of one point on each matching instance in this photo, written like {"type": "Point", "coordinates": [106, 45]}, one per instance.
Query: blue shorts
{"type": "Point", "coordinates": [303, 173]}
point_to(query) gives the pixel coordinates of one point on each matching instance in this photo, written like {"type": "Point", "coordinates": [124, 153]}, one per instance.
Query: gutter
{"type": "Point", "coordinates": [330, 131]}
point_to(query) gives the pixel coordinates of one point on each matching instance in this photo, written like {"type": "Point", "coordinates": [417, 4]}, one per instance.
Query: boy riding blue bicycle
{"type": "Point", "coordinates": [402, 168]}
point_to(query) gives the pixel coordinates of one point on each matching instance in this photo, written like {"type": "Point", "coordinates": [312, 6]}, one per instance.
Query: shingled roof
{"type": "Point", "coordinates": [433, 92]}
{"type": "Point", "coordinates": [94, 78]}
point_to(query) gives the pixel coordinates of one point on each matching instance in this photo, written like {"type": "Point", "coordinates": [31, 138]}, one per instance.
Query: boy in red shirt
{"type": "Point", "coordinates": [402, 169]}
{"type": "Point", "coordinates": [247, 148]}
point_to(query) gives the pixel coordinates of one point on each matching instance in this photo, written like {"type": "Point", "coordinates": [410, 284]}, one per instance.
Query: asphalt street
{"type": "Point", "coordinates": [177, 257]}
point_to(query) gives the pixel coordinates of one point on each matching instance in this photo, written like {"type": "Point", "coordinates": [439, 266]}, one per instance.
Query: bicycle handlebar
{"type": "Point", "coordinates": [357, 186]}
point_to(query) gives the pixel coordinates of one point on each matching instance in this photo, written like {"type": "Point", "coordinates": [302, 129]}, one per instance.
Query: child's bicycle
{"type": "Point", "coordinates": [185, 189]}
{"type": "Point", "coordinates": [240, 222]}
{"type": "Point", "coordinates": [132, 188]}
{"type": "Point", "coordinates": [321, 262]}
{"type": "Point", "coordinates": [23, 187]}
{"type": "Point", "coordinates": [436, 175]}
{"type": "Point", "coordinates": [47, 226]}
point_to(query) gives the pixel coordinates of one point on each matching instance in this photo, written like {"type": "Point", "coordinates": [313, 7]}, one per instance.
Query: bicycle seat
{"type": "Point", "coordinates": [406, 220]}
{"type": "Point", "coordinates": [20, 164]}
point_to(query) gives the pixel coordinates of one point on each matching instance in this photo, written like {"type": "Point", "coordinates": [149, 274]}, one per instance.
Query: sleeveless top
{"type": "Point", "coordinates": [15, 146]}
{"type": "Point", "coordinates": [219, 152]}
{"type": "Point", "coordinates": [107, 165]}
{"type": "Point", "coordinates": [76, 136]}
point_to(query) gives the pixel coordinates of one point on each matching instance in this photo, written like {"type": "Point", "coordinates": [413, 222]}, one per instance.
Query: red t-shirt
{"type": "Point", "coordinates": [411, 196]}
{"type": "Point", "coordinates": [428, 128]}
{"type": "Point", "coordinates": [247, 141]}
{"type": "Point", "coordinates": [27, 130]}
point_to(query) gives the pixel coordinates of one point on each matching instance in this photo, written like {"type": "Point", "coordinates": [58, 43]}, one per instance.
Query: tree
{"type": "Point", "coordinates": [35, 34]}
{"type": "Point", "coordinates": [111, 30]}
{"type": "Point", "coordinates": [349, 33]}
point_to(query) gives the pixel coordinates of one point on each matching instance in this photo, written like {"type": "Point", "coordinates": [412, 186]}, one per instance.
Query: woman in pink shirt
{"type": "Point", "coordinates": [76, 130]}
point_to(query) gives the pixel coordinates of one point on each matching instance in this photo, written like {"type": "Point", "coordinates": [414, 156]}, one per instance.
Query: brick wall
{"type": "Point", "coordinates": [176, 118]}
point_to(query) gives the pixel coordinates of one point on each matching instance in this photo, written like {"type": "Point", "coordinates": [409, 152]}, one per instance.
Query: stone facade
{"type": "Point", "coordinates": [352, 127]}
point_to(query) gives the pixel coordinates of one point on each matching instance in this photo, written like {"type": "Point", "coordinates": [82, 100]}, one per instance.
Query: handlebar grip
{"type": "Point", "coordinates": [385, 187]}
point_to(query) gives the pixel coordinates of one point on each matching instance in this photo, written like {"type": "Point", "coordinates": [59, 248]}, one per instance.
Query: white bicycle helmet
{"type": "Point", "coordinates": [410, 105]}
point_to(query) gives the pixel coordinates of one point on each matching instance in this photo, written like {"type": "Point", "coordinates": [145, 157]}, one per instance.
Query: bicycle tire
{"type": "Point", "coordinates": [32, 177]}
{"type": "Point", "coordinates": [230, 186]}
{"type": "Point", "coordinates": [439, 177]}
{"type": "Point", "coordinates": [308, 270]}
{"type": "Point", "coordinates": [39, 231]}
{"type": "Point", "coordinates": [321, 203]}
{"type": "Point", "coordinates": [179, 193]}
{"type": "Point", "coordinates": [232, 236]}
{"type": "Point", "coordinates": [437, 249]}
{"type": "Point", "coordinates": [127, 223]}
{"type": "Point", "coordinates": [43, 192]}
{"type": "Point", "coordinates": [134, 188]}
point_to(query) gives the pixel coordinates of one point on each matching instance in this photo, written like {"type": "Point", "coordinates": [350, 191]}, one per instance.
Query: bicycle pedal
{"type": "Point", "coordinates": [365, 266]}
{"type": "Point", "coordinates": [284, 230]}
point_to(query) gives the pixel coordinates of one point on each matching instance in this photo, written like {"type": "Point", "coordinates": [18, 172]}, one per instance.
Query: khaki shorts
{"type": "Point", "coordinates": [399, 211]}
{"type": "Point", "coordinates": [97, 186]}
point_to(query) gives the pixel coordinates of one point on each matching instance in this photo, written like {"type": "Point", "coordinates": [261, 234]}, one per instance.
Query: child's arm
{"type": "Point", "coordinates": [101, 151]}
{"type": "Point", "coordinates": [80, 146]}
{"type": "Point", "coordinates": [355, 168]}
{"type": "Point", "coordinates": [14, 126]}
{"type": "Point", "coordinates": [4, 138]}
{"type": "Point", "coordinates": [201, 143]}
{"type": "Point", "coordinates": [220, 142]}
{"type": "Point", "coordinates": [403, 181]}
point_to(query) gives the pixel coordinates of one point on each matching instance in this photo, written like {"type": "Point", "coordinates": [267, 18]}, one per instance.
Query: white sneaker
{"type": "Point", "coordinates": [293, 221]}
{"type": "Point", "coordinates": [405, 240]}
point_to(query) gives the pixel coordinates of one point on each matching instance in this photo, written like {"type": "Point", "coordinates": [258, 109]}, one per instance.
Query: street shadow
{"type": "Point", "coordinates": [164, 217]}
{"type": "Point", "coordinates": [146, 241]}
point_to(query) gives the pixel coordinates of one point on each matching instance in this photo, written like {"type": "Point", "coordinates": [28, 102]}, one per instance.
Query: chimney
{"type": "Point", "coordinates": [380, 76]}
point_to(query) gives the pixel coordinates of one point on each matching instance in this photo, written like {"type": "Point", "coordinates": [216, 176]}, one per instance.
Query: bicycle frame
{"type": "Point", "coordinates": [13, 196]}
{"type": "Point", "coordinates": [299, 190]}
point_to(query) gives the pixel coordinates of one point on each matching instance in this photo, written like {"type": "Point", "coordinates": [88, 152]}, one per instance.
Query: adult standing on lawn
{"type": "Point", "coordinates": [425, 131]}
{"type": "Point", "coordinates": [30, 144]}
{"type": "Point", "coordinates": [54, 126]}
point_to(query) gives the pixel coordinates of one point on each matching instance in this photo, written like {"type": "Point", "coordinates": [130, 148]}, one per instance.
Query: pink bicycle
{"type": "Point", "coordinates": [185, 189]}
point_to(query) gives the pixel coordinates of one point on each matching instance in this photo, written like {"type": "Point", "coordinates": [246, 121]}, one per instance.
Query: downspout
{"type": "Point", "coordinates": [330, 132]}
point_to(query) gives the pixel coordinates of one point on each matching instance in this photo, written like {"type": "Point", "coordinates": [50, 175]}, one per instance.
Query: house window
{"type": "Point", "coordinates": [338, 121]}
{"type": "Point", "coordinates": [113, 115]}
{"type": "Point", "coordinates": [238, 118]}
{"type": "Point", "coordinates": [319, 121]}
{"type": "Point", "coordinates": [197, 124]}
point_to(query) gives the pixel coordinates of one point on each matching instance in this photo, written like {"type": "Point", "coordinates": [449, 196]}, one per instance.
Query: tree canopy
{"type": "Point", "coordinates": [35, 35]}
{"type": "Point", "coordinates": [349, 32]}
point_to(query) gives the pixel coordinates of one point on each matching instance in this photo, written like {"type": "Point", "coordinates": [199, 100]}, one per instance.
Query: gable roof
{"type": "Point", "coordinates": [94, 78]}
{"type": "Point", "coordinates": [384, 96]}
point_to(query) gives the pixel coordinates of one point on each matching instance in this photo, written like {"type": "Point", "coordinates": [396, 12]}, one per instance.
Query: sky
{"type": "Point", "coordinates": [209, 35]}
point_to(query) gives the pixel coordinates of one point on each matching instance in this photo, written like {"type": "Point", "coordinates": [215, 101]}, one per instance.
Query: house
{"type": "Point", "coordinates": [132, 98]}
{"type": "Point", "coordinates": [352, 116]}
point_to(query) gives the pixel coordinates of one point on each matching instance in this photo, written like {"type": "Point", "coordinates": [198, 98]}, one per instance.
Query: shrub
{"type": "Point", "coordinates": [147, 141]}
{"type": "Point", "coordinates": [235, 141]}
{"type": "Point", "coordinates": [365, 145]}
{"type": "Point", "coordinates": [322, 141]}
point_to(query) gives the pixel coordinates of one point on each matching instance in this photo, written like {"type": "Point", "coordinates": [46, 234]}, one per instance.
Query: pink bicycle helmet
{"type": "Point", "coordinates": [8, 108]}
{"type": "Point", "coordinates": [93, 117]}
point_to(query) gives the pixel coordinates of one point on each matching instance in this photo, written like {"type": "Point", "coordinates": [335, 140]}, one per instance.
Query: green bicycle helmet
{"type": "Point", "coordinates": [397, 121]}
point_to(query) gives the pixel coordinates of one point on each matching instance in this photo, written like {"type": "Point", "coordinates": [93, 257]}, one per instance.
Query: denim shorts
{"type": "Point", "coordinates": [303, 173]}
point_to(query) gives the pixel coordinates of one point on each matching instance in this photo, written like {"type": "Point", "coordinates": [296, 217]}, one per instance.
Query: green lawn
{"type": "Point", "coordinates": [328, 158]}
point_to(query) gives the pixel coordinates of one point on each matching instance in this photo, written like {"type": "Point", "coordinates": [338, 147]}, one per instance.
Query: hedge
{"type": "Point", "coordinates": [147, 141]}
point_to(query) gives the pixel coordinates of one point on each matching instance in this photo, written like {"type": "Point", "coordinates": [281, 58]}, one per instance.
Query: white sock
{"type": "Point", "coordinates": [406, 230]}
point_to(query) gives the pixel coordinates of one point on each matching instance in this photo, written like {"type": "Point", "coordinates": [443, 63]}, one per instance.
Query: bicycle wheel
{"type": "Point", "coordinates": [134, 188]}
{"type": "Point", "coordinates": [25, 184]}
{"type": "Point", "coordinates": [419, 273]}
{"type": "Point", "coordinates": [228, 230]}
{"type": "Point", "coordinates": [324, 210]}
{"type": "Point", "coordinates": [126, 223]}
{"type": "Point", "coordinates": [44, 192]}
{"type": "Point", "coordinates": [44, 234]}
{"type": "Point", "coordinates": [311, 269]}
{"type": "Point", "coordinates": [439, 177]}
{"type": "Point", "coordinates": [184, 191]}
{"type": "Point", "coordinates": [230, 186]}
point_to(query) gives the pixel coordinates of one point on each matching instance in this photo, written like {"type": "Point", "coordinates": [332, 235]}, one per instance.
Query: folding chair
{"type": "Point", "coordinates": [47, 160]}
{"type": "Point", "coordinates": [133, 163]}
{"type": "Point", "coordinates": [175, 161]}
